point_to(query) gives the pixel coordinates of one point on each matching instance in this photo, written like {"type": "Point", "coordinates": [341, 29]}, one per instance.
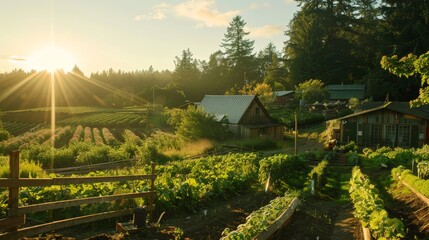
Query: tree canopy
{"type": "Point", "coordinates": [408, 66]}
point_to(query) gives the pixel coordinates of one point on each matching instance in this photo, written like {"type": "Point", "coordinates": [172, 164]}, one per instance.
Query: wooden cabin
{"type": "Point", "coordinates": [244, 115]}
{"type": "Point", "coordinates": [392, 124]}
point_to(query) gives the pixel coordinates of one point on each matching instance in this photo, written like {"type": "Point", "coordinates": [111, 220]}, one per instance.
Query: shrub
{"type": "Point", "coordinates": [26, 169]}
{"type": "Point", "coordinates": [283, 169]}
{"type": "Point", "coordinates": [320, 175]}
{"type": "Point", "coordinates": [4, 135]}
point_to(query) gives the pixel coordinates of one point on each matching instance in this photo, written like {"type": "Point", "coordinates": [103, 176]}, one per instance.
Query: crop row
{"type": "Point", "coordinates": [420, 185]}
{"type": "Point", "coordinates": [369, 208]}
{"type": "Point", "coordinates": [184, 185]}
{"type": "Point", "coordinates": [107, 119]}
{"type": "Point", "coordinates": [261, 219]}
{"type": "Point", "coordinates": [24, 140]}
{"type": "Point", "coordinates": [17, 128]}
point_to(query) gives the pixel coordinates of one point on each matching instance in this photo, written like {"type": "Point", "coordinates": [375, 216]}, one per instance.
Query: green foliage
{"type": "Point", "coordinates": [100, 154]}
{"type": "Point", "coordinates": [259, 220]}
{"type": "Point", "coordinates": [4, 135]}
{"type": "Point", "coordinates": [420, 185]}
{"type": "Point", "coordinates": [353, 158]}
{"type": "Point", "coordinates": [193, 123]}
{"type": "Point", "coordinates": [186, 185]}
{"type": "Point", "coordinates": [312, 90]}
{"type": "Point", "coordinates": [27, 169]}
{"type": "Point", "coordinates": [283, 169]}
{"type": "Point", "coordinates": [392, 157]}
{"type": "Point", "coordinates": [287, 116]}
{"type": "Point", "coordinates": [409, 66]}
{"type": "Point", "coordinates": [320, 175]}
{"type": "Point", "coordinates": [238, 50]}
{"type": "Point", "coordinates": [423, 169]}
{"type": "Point", "coordinates": [369, 208]}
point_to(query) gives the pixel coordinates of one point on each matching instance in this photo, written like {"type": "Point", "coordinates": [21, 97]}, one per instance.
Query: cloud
{"type": "Point", "coordinates": [266, 31]}
{"type": "Point", "coordinates": [158, 13]}
{"type": "Point", "coordinates": [256, 6]}
{"type": "Point", "coordinates": [17, 59]}
{"type": "Point", "coordinates": [205, 13]}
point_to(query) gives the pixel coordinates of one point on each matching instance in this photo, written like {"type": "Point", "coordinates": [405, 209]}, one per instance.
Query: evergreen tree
{"type": "Point", "coordinates": [238, 51]}
{"type": "Point", "coordinates": [187, 76]}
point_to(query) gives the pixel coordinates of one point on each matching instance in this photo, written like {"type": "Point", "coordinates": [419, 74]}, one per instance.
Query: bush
{"type": "Point", "coordinates": [320, 175]}
{"type": "Point", "coordinates": [194, 123]}
{"type": "Point", "coordinates": [26, 169]}
{"type": "Point", "coordinates": [283, 169]}
{"type": "Point", "coordinates": [4, 135]}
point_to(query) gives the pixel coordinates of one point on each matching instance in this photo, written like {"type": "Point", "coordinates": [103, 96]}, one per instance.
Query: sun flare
{"type": "Point", "coordinates": [51, 58]}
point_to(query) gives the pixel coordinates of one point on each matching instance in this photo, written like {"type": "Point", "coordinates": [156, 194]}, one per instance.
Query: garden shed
{"type": "Point", "coordinates": [393, 124]}
{"type": "Point", "coordinates": [282, 97]}
{"type": "Point", "coordinates": [244, 115]}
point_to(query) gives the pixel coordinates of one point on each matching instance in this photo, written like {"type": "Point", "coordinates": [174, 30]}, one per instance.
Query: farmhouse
{"type": "Point", "coordinates": [244, 115]}
{"type": "Point", "coordinates": [346, 91]}
{"type": "Point", "coordinates": [392, 124]}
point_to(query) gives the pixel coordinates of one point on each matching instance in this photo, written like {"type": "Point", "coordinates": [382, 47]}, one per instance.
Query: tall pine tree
{"type": "Point", "coordinates": [238, 51]}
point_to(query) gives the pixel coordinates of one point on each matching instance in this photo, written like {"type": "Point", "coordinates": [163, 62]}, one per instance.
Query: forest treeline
{"type": "Point", "coordinates": [336, 41]}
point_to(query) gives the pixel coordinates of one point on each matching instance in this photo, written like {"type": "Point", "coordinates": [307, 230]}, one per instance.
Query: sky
{"type": "Point", "coordinates": [131, 34]}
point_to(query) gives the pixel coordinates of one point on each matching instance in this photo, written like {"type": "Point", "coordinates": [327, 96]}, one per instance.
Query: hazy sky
{"type": "Point", "coordinates": [129, 34]}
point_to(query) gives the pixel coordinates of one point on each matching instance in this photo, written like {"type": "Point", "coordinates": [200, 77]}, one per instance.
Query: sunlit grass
{"type": "Point", "coordinates": [191, 149]}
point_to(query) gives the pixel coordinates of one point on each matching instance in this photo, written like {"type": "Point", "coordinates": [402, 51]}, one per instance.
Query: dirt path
{"type": "Point", "coordinates": [209, 222]}
{"type": "Point", "coordinates": [329, 216]}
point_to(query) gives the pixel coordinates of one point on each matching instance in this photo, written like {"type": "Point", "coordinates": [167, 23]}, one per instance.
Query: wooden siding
{"type": "Point", "coordinates": [255, 114]}
{"type": "Point", "coordinates": [384, 128]}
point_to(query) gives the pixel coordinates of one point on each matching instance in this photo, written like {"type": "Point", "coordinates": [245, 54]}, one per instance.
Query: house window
{"type": "Point", "coordinates": [376, 133]}
{"type": "Point", "coordinates": [403, 136]}
{"type": "Point", "coordinates": [390, 134]}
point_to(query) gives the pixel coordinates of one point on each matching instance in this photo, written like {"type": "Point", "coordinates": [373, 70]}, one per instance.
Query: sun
{"type": "Point", "coordinates": [51, 58]}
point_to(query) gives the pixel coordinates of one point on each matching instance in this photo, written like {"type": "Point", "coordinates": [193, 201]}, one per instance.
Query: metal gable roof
{"type": "Point", "coordinates": [401, 107]}
{"type": "Point", "coordinates": [282, 93]}
{"type": "Point", "coordinates": [346, 91]}
{"type": "Point", "coordinates": [233, 106]}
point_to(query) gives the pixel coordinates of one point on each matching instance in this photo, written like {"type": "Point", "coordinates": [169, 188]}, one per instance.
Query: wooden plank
{"type": "Point", "coordinates": [32, 182]}
{"type": "Point", "coordinates": [77, 202]}
{"type": "Point", "coordinates": [47, 227]}
{"type": "Point", "coordinates": [279, 222]}
{"type": "Point", "coordinates": [12, 222]}
{"type": "Point", "coordinates": [13, 201]}
{"type": "Point", "coordinates": [419, 195]}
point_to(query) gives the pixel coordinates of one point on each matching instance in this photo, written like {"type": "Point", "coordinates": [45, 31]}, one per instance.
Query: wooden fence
{"type": "Point", "coordinates": [10, 226]}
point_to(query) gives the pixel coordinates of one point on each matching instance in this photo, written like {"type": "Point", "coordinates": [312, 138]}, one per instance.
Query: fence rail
{"type": "Point", "coordinates": [9, 226]}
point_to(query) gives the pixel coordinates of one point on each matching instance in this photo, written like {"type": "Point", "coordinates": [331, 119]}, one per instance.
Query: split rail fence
{"type": "Point", "coordinates": [10, 226]}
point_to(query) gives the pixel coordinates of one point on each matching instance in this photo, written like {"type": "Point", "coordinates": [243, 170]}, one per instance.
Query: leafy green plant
{"type": "Point", "coordinates": [420, 185]}
{"type": "Point", "coordinates": [369, 208]}
{"type": "Point", "coordinates": [423, 169]}
{"type": "Point", "coordinates": [283, 170]}
{"type": "Point", "coordinates": [320, 175]}
{"type": "Point", "coordinates": [261, 219]}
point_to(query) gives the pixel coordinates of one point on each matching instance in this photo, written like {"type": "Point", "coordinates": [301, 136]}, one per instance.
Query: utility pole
{"type": "Point", "coordinates": [296, 132]}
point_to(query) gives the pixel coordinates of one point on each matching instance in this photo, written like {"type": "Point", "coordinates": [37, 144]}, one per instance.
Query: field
{"type": "Point", "coordinates": [207, 196]}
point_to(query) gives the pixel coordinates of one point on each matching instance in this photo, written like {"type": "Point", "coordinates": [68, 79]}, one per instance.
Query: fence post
{"type": "Point", "coordinates": [13, 191]}
{"type": "Point", "coordinates": [152, 188]}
